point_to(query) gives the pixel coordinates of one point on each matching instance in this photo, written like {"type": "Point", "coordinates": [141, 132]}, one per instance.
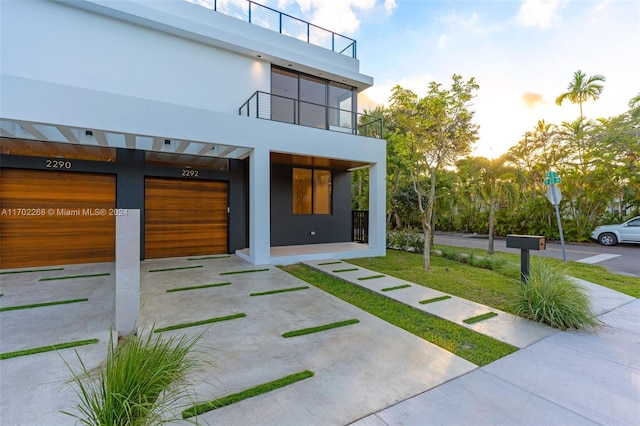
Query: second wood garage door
{"type": "Point", "coordinates": [184, 217]}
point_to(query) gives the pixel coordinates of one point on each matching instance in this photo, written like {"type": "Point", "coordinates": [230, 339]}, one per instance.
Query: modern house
{"type": "Point", "coordinates": [231, 127]}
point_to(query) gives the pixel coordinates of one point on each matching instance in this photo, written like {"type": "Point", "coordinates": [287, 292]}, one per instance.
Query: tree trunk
{"type": "Point", "coordinates": [492, 211]}
{"type": "Point", "coordinates": [426, 222]}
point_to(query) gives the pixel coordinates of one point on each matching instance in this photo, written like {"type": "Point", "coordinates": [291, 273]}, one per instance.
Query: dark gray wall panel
{"type": "Point", "coordinates": [290, 229]}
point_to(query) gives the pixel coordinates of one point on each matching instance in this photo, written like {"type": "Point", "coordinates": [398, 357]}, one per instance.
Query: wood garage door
{"type": "Point", "coordinates": [184, 217]}
{"type": "Point", "coordinates": [55, 218]}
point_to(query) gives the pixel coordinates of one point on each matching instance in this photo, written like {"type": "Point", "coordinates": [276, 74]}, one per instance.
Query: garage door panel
{"type": "Point", "coordinates": [185, 218]}
{"type": "Point", "coordinates": [49, 226]}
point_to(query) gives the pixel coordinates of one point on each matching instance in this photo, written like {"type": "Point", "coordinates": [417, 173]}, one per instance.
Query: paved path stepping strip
{"type": "Point", "coordinates": [505, 327]}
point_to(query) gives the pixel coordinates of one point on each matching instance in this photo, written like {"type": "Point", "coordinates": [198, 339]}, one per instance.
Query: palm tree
{"type": "Point", "coordinates": [582, 88]}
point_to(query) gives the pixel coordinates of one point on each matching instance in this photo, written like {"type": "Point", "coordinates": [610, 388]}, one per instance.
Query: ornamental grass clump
{"type": "Point", "coordinates": [139, 384]}
{"type": "Point", "coordinates": [551, 298]}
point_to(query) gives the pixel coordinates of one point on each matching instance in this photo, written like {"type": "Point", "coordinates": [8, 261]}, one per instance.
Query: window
{"type": "Point", "coordinates": [311, 191]}
{"type": "Point", "coordinates": [311, 101]}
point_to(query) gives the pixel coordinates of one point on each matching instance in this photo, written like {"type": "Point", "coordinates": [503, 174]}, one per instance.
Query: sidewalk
{"type": "Point", "coordinates": [564, 378]}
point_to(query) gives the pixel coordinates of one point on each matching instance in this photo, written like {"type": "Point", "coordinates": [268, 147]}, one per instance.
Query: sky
{"type": "Point", "coordinates": [522, 53]}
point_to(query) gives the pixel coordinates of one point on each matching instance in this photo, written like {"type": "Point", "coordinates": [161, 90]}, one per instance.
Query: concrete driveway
{"type": "Point", "coordinates": [359, 369]}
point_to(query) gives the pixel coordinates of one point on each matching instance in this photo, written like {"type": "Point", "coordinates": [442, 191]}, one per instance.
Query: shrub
{"type": "Point", "coordinates": [551, 298]}
{"type": "Point", "coordinates": [138, 383]}
{"type": "Point", "coordinates": [408, 239]}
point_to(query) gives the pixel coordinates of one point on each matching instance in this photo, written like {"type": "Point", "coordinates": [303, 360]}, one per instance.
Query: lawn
{"type": "Point", "coordinates": [466, 343]}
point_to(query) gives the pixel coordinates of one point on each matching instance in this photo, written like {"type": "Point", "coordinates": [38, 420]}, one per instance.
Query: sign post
{"type": "Point", "coordinates": [554, 195]}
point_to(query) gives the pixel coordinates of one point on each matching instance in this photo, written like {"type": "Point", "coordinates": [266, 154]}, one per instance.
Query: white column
{"type": "Point", "coordinates": [259, 207]}
{"type": "Point", "coordinates": [128, 272]}
{"type": "Point", "coordinates": [377, 208]}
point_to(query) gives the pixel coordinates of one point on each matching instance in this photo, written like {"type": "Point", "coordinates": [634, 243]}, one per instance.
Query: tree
{"type": "Point", "coordinates": [434, 131]}
{"type": "Point", "coordinates": [582, 88]}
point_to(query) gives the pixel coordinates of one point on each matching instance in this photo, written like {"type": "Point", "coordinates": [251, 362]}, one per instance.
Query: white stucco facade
{"type": "Point", "coordinates": [137, 73]}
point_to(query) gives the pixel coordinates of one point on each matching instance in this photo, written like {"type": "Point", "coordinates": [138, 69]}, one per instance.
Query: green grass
{"type": "Point", "coordinates": [39, 305]}
{"type": "Point", "coordinates": [1, 294]}
{"type": "Point", "coordinates": [248, 393]}
{"type": "Point", "coordinates": [197, 323]}
{"type": "Point", "coordinates": [435, 299]}
{"type": "Point", "coordinates": [30, 270]}
{"type": "Point", "coordinates": [549, 297]}
{"type": "Point", "coordinates": [209, 257]}
{"type": "Point", "coordinates": [490, 288]}
{"type": "Point", "coordinates": [344, 270]}
{"type": "Point", "coordinates": [371, 277]}
{"type": "Point", "coordinates": [319, 328]}
{"type": "Point", "coordinates": [329, 263]}
{"type": "Point", "coordinates": [466, 343]}
{"type": "Point", "coordinates": [246, 271]}
{"type": "Point", "coordinates": [175, 269]}
{"type": "Point", "coordinates": [479, 318]}
{"type": "Point", "coordinates": [74, 276]}
{"type": "Point", "coordinates": [593, 273]}
{"type": "Point", "coordinates": [49, 348]}
{"type": "Point", "coordinates": [282, 290]}
{"type": "Point", "coordinates": [139, 384]}
{"type": "Point", "coordinates": [197, 287]}
{"type": "Point", "coordinates": [398, 287]}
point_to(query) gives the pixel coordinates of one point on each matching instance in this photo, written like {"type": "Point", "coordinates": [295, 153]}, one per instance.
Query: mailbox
{"type": "Point", "coordinates": [527, 242]}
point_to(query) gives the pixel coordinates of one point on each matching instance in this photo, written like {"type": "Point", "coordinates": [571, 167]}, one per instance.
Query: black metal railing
{"type": "Point", "coordinates": [289, 110]}
{"type": "Point", "coordinates": [360, 226]}
{"type": "Point", "coordinates": [288, 25]}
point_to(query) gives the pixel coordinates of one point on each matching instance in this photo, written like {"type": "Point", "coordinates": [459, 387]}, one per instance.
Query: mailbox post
{"type": "Point", "coordinates": [525, 243]}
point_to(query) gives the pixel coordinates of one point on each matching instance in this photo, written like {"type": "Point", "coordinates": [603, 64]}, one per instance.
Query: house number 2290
{"type": "Point", "coordinates": [58, 164]}
{"type": "Point", "coordinates": [189, 173]}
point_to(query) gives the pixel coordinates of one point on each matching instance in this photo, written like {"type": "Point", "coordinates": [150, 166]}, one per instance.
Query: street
{"type": "Point", "coordinates": [622, 259]}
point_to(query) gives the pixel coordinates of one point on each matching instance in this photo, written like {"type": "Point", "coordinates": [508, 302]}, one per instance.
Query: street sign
{"type": "Point", "coordinates": [554, 195]}
{"type": "Point", "coordinates": [552, 177]}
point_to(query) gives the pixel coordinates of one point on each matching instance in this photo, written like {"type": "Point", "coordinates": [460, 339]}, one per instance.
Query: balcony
{"type": "Point", "coordinates": [294, 111]}
{"type": "Point", "coordinates": [288, 25]}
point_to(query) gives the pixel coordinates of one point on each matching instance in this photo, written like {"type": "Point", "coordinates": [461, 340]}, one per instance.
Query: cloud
{"type": "Point", "coordinates": [442, 42]}
{"type": "Point", "coordinates": [390, 5]}
{"type": "Point", "coordinates": [336, 15]}
{"type": "Point", "coordinates": [531, 99]}
{"type": "Point", "coordinates": [542, 14]}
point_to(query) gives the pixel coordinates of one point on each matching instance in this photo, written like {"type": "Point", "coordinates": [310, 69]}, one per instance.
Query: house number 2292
{"type": "Point", "coordinates": [189, 173]}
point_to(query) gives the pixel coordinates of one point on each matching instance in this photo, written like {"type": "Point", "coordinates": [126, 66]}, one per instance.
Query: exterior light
{"type": "Point", "coordinates": [167, 142]}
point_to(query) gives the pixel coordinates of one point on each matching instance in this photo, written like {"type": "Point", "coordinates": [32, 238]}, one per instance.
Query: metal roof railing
{"type": "Point", "coordinates": [288, 25]}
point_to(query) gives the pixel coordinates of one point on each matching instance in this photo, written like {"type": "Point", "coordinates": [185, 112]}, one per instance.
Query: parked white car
{"type": "Point", "coordinates": [610, 235]}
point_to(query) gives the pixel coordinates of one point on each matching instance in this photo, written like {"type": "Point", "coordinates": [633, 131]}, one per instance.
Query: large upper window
{"type": "Point", "coordinates": [311, 101]}
{"type": "Point", "coordinates": [311, 191]}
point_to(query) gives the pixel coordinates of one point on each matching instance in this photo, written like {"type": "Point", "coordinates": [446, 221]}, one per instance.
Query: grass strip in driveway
{"type": "Point", "coordinates": [371, 277]}
{"type": "Point", "coordinates": [282, 290]}
{"type": "Point", "coordinates": [175, 269]}
{"type": "Point", "coordinates": [245, 271]}
{"type": "Point", "coordinates": [196, 323]}
{"type": "Point", "coordinates": [39, 305]}
{"type": "Point", "coordinates": [68, 277]}
{"type": "Point", "coordinates": [209, 257]}
{"type": "Point", "coordinates": [398, 287]}
{"type": "Point", "coordinates": [435, 299]}
{"type": "Point", "coordinates": [49, 348]}
{"type": "Point", "coordinates": [344, 270]}
{"type": "Point", "coordinates": [197, 287]}
{"type": "Point", "coordinates": [479, 318]}
{"type": "Point", "coordinates": [245, 394]}
{"type": "Point", "coordinates": [30, 270]}
{"type": "Point", "coordinates": [329, 263]}
{"type": "Point", "coordinates": [319, 328]}
{"type": "Point", "coordinates": [464, 342]}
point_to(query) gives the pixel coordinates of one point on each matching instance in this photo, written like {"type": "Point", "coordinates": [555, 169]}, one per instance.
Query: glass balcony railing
{"type": "Point", "coordinates": [288, 25]}
{"type": "Point", "coordinates": [288, 110]}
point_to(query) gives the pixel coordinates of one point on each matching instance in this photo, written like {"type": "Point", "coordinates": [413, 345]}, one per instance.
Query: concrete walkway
{"type": "Point", "coordinates": [505, 327]}
{"type": "Point", "coordinates": [560, 378]}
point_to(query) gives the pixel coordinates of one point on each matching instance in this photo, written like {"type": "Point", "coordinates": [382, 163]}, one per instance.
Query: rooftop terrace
{"type": "Point", "coordinates": [288, 25]}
